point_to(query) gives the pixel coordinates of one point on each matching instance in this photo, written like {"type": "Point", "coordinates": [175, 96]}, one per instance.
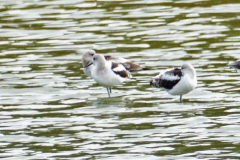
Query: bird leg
{"type": "Point", "coordinates": [108, 91]}
{"type": "Point", "coordinates": [180, 98]}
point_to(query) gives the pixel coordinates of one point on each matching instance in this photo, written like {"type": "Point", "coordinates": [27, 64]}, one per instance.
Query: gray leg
{"type": "Point", "coordinates": [110, 89]}
{"type": "Point", "coordinates": [180, 98]}
{"type": "Point", "coordinates": [108, 92]}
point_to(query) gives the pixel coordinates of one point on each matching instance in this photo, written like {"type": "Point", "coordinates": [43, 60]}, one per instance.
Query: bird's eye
{"type": "Point", "coordinates": [91, 54]}
{"type": "Point", "coordinates": [94, 59]}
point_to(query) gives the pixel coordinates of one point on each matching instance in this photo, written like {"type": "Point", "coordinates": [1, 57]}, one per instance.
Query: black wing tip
{"type": "Point", "coordinates": [138, 69]}
{"type": "Point", "coordinates": [107, 57]}
{"type": "Point", "coordinates": [145, 68]}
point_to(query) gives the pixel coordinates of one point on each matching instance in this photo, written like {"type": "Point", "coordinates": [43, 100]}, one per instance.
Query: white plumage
{"type": "Point", "coordinates": [87, 61]}
{"type": "Point", "coordinates": [177, 81]}
{"type": "Point", "coordinates": [107, 73]}
{"type": "Point", "coordinates": [170, 77]}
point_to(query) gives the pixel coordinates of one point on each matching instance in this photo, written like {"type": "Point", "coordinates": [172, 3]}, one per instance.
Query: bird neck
{"type": "Point", "coordinates": [85, 62]}
{"type": "Point", "coordinates": [101, 65]}
{"type": "Point", "coordinates": [192, 74]}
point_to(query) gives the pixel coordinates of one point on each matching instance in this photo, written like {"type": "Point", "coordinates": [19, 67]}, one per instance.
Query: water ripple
{"type": "Point", "coordinates": [51, 110]}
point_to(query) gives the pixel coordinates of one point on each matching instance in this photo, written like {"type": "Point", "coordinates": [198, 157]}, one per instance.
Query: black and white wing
{"type": "Point", "coordinates": [167, 80]}
{"type": "Point", "coordinates": [130, 66]}
{"type": "Point", "coordinates": [120, 70]}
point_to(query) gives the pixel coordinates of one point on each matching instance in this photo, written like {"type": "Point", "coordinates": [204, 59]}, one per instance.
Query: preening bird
{"type": "Point", "coordinates": [177, 81]}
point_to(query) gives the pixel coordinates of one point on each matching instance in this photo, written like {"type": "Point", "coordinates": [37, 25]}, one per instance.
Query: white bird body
{"type": "Point", "coordinates": [106, 77]}
{"type": "Point", "coordinates": [185, 85]}
{"type": "Point", "coordinates": [107, 73]}
{"type": "Point", "coordinates": [177, 81]}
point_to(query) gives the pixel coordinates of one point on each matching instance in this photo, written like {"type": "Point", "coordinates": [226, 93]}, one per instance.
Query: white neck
{"type": "Point", "coordinates": [192, 73]}
{"type": "Point", "coordinates": [101, 65]}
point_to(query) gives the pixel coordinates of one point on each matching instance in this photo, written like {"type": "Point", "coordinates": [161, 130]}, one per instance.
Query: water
{"type": "Point", "coordinates": [51, 110]}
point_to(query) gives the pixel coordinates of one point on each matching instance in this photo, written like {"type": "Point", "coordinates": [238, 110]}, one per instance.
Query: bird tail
{"type": "Point", "coordinates": [155, 82]}
{"type": "Point", "coordinates": [145, 68]}
{"type": "Point", "coordinates": [130, 66]}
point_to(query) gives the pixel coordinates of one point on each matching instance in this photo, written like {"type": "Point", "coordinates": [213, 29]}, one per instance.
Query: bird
{"type": "Point", "coordinates": [87, 62]}
{"type": "Point", "coordinates": [108, 73]}
{"type": "Point", "coordinates": [235, 64]}
{"type": "Point", "coordinates": [177, 81]}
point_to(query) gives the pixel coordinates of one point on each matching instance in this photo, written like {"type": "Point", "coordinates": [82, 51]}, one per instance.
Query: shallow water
{"type": "Point", "coordinates": [51, 110]}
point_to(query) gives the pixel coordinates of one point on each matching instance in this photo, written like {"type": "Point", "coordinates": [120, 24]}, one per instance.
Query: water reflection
{"type": "Point", "coordinates": [51, 110]}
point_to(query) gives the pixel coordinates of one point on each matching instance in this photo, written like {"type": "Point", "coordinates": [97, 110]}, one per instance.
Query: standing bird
{"type": "Point", "coordinates": [107, 73]}
{"type": "Point", "coordinates": [177, 81]}
{"type": "Point", "coordinates": [87, 61]}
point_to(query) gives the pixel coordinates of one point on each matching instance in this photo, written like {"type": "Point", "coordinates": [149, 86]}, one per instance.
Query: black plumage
{"type": "Point", "coordinates": [163, 82]}
{"type": "Point", "coordinates": [122, 73]}
{"type": "Point", "coordinates": [130, 66]}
